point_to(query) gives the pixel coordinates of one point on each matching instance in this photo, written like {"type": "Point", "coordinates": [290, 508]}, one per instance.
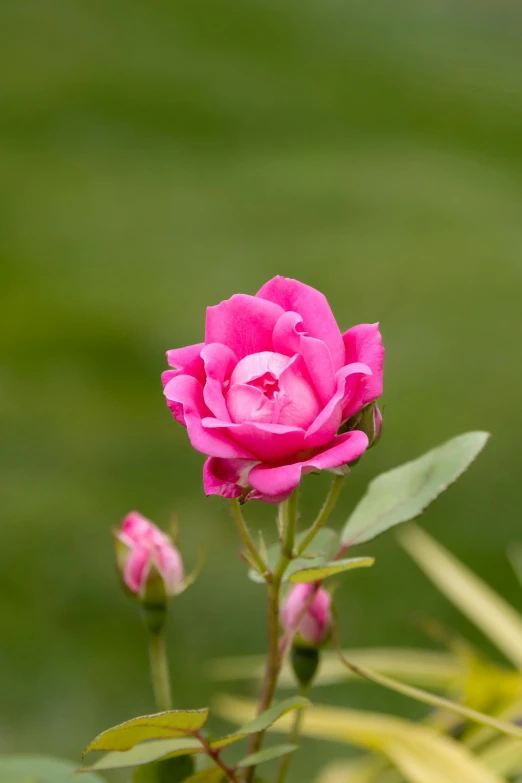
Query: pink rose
{"type": "Point", "coordinates": [266, 393]}
{"type": "Point", "coordinates": [315, 623]}
{"type": "Point", "coordinates": [146, 544]}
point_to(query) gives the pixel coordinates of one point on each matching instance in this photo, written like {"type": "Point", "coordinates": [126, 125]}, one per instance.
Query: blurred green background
{"type": "Point", "coordinates": [156, 158]}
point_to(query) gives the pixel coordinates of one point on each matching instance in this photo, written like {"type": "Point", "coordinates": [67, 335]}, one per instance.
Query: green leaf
{"type": "Point", "coordinates": [268, 754]}
{"type": "Point", "coordinates": [491, 613]}
{"type": "Point", "coordinates": [209, 775]}
{"type": "Point", "coordinates": [173, 770]}
{"type": "Point", "coordinates": [325, 543]}
{"type": "Point", "coordinates": [31, 768]}
{"type": "Point", "coordinates": [404, 492]}
{"type": "Point", "coordinates": [145, 753]}
{"type": "Point", "coordinates": [174, 723]}
{"type": "Point", "coordinates": [321, 550]}
{"type": "Point", "coordinates": [263, 721]}
{"type": "Point", "coordinates": [314, 574]}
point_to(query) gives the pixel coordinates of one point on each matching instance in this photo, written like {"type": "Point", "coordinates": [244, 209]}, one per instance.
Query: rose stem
{"type": "Point", "coordinates": [274, 580]}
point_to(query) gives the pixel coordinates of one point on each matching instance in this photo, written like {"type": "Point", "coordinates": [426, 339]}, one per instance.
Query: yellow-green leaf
{"type": "Point", "coordinates": [319, 552]}
{"type": "Point", "coordinates": [422, 755]}
{"type": "Point", "coordinates": [511, 729]}
{"type": "Point", "coordinates": [145, 753]}
{"type": "Point", "coordinates": [404, 492]}
{"type": "Point", "coordinates": [175, 723]}
{"type": "Point", "coordinates": [504, 756]}
{"type": "Point", "coordinates": [491, 613]}
{"type": "Point", "coordinates": [263, 721]}
{"type": "Point", "coordinates": [369, 769]}
{"type": "Point", "coordinates": [267, 754]}
{"type": "Point", "coordinates": [314, 574]}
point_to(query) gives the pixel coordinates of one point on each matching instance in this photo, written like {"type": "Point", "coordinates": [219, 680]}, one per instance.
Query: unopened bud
{"type": "Point", "coordinates": [146, 555]}
{"type": "Point", "coordinates": [367, 420]}
{"type": "Point", "coordinates": [307, 612]}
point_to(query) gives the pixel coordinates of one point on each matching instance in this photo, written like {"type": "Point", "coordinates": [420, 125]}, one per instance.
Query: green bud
{"type": "Point", "coordinates": [305, 661]}
{"type": "Point", "coordinates": [154, 600]}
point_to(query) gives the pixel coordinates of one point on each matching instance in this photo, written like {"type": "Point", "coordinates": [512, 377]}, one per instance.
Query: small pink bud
{"type": "Point", "coordinates": [144, 545]}
{"type": "Point", "coordinates": [314, 624]}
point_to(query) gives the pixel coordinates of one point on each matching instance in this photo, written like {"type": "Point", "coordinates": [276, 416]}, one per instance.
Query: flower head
{"type": "Point", "coordinates": [265, 395]}
{"type": "Point", "coordinates": [308, 614]}
{"type": "Point", "coordinates": [141, 546]}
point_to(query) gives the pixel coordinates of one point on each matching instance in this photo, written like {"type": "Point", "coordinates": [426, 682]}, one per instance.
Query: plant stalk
{"type": "Point", "coordinates": [159, 669]}
{"type": "Point", "coordinates": [246, 537]}
{"type": "Point", "coordinates": [274, 581]}
{"type": "Point", "coordinates": [214, 754]}
{"type": "Point", "coordinates": [293, 738]}
{"type": "Point", "coordinates": [324, 514]}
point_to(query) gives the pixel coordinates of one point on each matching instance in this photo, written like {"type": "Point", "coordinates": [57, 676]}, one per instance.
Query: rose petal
{"type": "Point", "coordinates": [244, 323]}
{"type": "Point", "coordinates": [134, 570]}
{"type": "Point", "coordinates": [188, 361]}
{"type": "Point", "coordinates": [297, 401]}
{"type": "Point", "coordinates": [363, 343]}
{"type": "Point", "coordinates": [185, 394]}
{"type": "Point", "coordinates": [288, 339]}
{"type": "Point", "coordinates": [247, 403]}
{"type": "Point", "coordinates": [219, 362]}
{"type": "Point", "coordinates": [226, 477]}
{"type": "Point", "coordinates": [318, 319]}
{"type": "Point", "coordinates": [134, 527]}
{"type": "Point", "coordinates": [170, 567]}
{"type": "Point", "coordinates": [262, 440]}
{"type": "Point", "coordinates": [283, 479]}
{"type": "Point", "coordinates": [287, 333]}
{"type": "Point", "coordinates": [323, 429]}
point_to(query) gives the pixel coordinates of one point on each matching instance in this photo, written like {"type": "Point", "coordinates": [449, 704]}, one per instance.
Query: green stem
{"type": "Point", "coordinates": [214, 754]}
{"type": "Point", "coordinates": [289, 516]}
{"type": "Point", "coordinates": [293, 738]}
{"type": "Point", "coordinates": [160, 671]}
{"type": "Point", "coordinates": [324, 514]}
{"type": "Point", "coordinates": [274, 581]}
{"type": "Point", "coordinates": [246, 537]}
{"type": "Point", "coordinates": [510, 729]}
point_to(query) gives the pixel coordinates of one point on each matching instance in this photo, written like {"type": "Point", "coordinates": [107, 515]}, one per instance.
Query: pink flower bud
{"type": "Point", "coordinates": [312, 626]}
{"type": "Point", "coordinates": [144, 545]}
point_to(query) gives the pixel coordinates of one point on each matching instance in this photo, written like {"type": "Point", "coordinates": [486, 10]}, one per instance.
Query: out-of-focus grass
{"type": "Point", "coordinates": [157, 157]}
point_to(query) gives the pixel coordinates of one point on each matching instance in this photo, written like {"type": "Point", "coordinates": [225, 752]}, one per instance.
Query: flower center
{"type": "Point", "coordinates": [272, 388]}
{"type": "Point", "coordinates": [266, 383]}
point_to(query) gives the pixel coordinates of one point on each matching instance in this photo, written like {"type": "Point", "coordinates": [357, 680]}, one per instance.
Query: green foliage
{"type": "Point", "coordinates": [146, 753]}
{"type": "Point", "coordinates": [422, 754]}
{"type": "Point", "coordinates": [173, 770]}
{"type": "Point", "coordinates": [403, 493]}
{"type": "Point", "coordinates": [209, 775]}
{"type": "Point", "coordinates": [263, 721]}
{"type": "Point", "coordinates": [500, 621]}
{"type": "Point", "coordinates": [316, 573]}
{"type": "Point", "coordinates": [174, 723]}
{"type": "Point", "coordinates": [267, 754]}
{"type": "Point", "coordinates": [318, 553]}
{"type": "Point", "coordinates": [39, 769]}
